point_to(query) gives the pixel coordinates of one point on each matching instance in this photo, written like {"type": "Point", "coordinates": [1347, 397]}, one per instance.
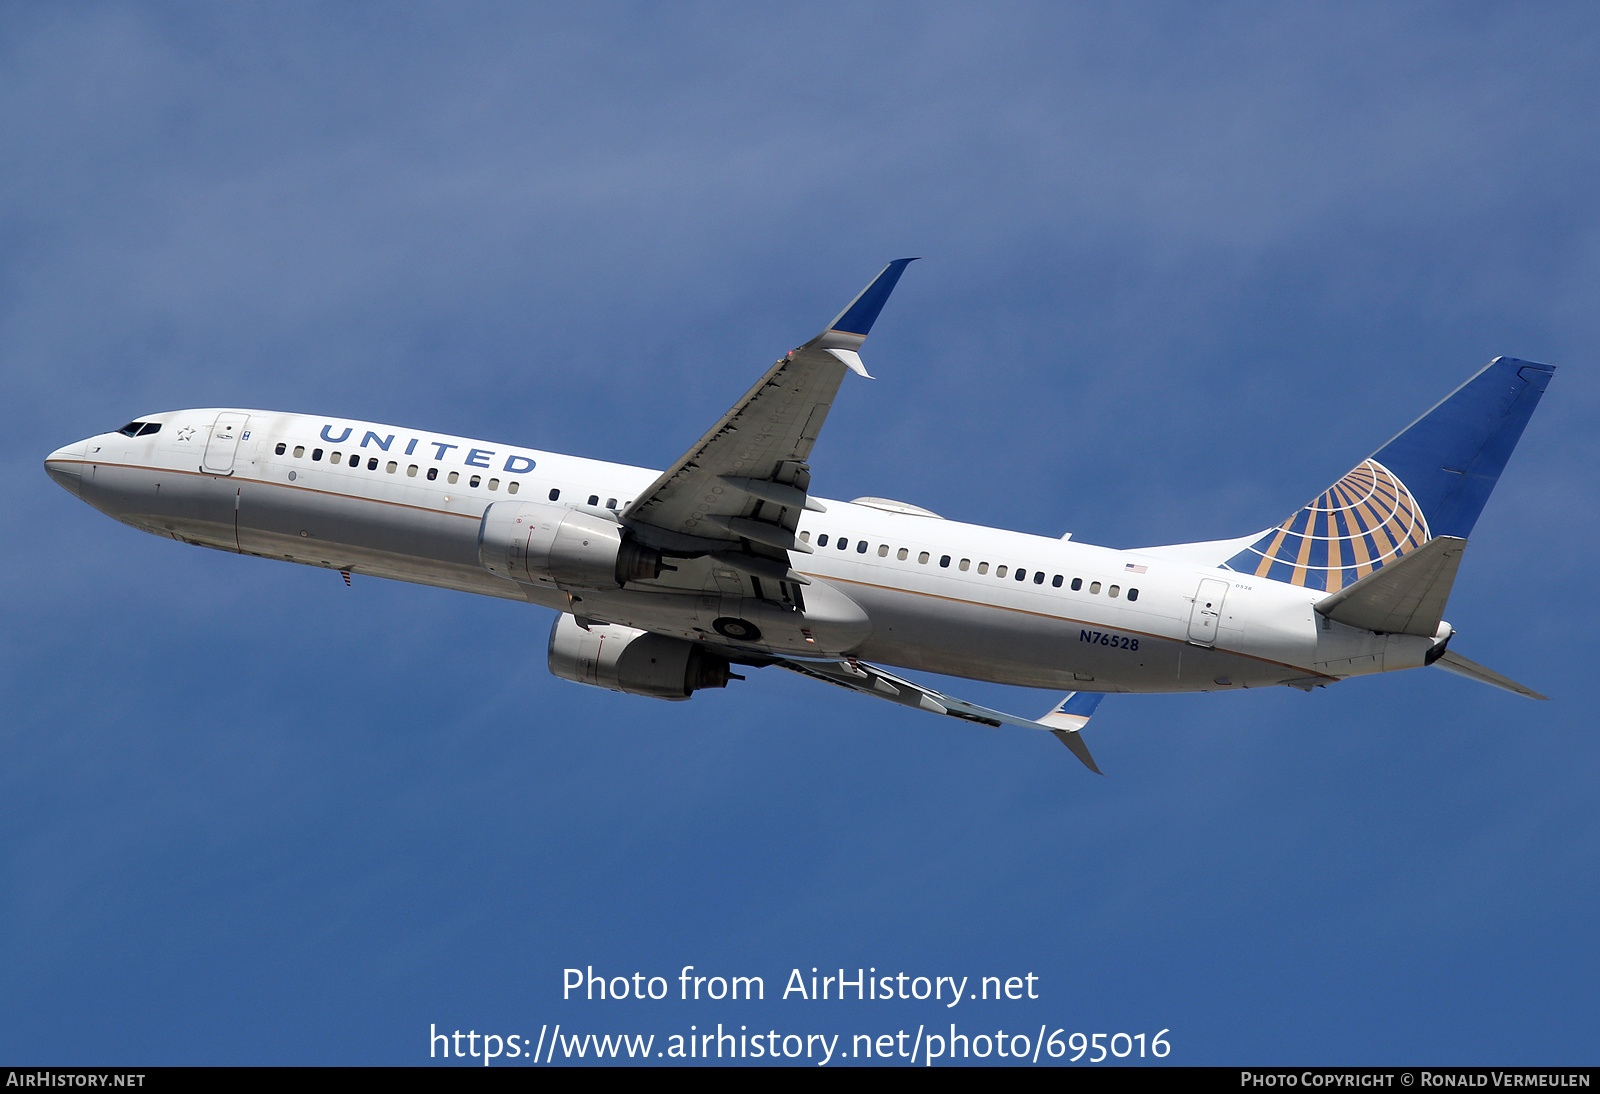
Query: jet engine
{"type": "Point", "coordinates": [540, 544]}
{"type": "Point", "coordinates": [637, 662]}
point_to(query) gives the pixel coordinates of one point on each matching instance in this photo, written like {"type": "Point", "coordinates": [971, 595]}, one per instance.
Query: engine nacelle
{"type": "Point", "coordinates": [539, 544]}
{"type": "Point", "coordinates": [633, 661]}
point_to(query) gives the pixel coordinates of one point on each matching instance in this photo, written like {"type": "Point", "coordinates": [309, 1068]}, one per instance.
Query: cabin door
{"type": "Point", "coordinates": [1207, 611]}
{"type": "Point", "coordinates": [224, 443]}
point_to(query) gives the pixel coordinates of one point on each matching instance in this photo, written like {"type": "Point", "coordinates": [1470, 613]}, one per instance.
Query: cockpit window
{"type": "Point", "coordinates": [150, 427]}
{"type": "Point", "coordinates": [132, 429]}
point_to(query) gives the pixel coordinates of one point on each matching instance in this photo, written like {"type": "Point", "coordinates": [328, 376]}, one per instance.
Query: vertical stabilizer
{"type": "Point", "coordinates": [1431, 480]}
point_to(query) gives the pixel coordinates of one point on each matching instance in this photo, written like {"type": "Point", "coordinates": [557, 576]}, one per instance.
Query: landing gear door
{"type": "Point", "coordinates": [224, 443]}
{"type": "Point", "coordinates": [1207, 611]}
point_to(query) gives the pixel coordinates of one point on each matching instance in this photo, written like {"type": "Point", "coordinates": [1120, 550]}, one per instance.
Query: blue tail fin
{"type": "Point", "coordinates": [1431, 480]}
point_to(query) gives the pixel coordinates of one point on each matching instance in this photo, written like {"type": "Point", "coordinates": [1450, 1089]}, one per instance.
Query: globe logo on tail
{"type": "Point", "coordinates": [1366, 519]}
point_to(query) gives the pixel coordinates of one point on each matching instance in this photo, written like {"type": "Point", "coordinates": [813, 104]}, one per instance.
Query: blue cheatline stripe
{"type": "Point", "coordinates": [863, 310]}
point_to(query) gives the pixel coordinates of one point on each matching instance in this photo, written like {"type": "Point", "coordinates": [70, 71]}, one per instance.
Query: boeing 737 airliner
{"type": "Point", "coordinates": [664, 581]}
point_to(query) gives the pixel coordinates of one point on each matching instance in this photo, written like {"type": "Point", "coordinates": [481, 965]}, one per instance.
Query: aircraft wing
{"type": "Point", "coordinates": [738, 492]}
{"type": "Point", "coordinates": [1064, 721]}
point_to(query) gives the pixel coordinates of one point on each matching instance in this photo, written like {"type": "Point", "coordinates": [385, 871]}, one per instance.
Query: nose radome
{"type": "Point", "coordinates": [65, 465]}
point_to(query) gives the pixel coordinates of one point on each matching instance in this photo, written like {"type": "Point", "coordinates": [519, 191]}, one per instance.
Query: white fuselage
{"type": "Point", "coordinates": [941, 596]}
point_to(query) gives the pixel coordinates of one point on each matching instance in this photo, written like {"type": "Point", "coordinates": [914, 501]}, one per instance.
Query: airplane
{"type": "Point", "coordinates": [664, 581]}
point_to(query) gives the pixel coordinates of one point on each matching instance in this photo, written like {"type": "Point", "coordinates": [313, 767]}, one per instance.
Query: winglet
{"type": "Point", "coordinates": [1074, 741]}
{"type": "Point", "coordinates": [1069, 716]}
{"type": "Point", "coordinates": [1073, 712]}
{"type": "Point", "coordinates": [862, 312]}
{"type": "Point", "coordinates": [851, 360]}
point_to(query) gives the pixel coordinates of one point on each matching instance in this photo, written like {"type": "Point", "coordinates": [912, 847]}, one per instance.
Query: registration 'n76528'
{"type": "Point", "coordinates": [1115, 641]}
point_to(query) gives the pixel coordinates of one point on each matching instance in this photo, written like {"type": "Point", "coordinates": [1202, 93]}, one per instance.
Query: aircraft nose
{"type": "Point", "coordinates": [65, 465]}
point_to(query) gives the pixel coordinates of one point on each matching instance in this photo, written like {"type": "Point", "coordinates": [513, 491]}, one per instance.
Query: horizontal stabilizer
{"type": "Point", "coordinates": [1405, 597]}
{"type": "Point", "coordinates": [1454, 662]}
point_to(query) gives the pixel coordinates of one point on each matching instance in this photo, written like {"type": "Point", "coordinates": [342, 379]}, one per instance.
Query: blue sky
{"type": "Point", "coordinates": [1183, 267]}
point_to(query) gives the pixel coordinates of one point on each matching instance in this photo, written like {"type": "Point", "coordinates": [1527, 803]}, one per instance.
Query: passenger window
{"type": "Point", "coordinates": [1055, 582]}
{"type": "Point", "coordinates": [964, 564]}
{"type": "Point", "coordinates": [1038, 577]}
{"type": "Point", "coordinates": [494, 484]}
{"type": "Point", "coordinates": [433, 473]}
{"type": "Point", "coordinates": [555, 495]}
{"type": "Point", "coordinates": [883, 550]}
{"type": "Point", "coordinates": [944, 561]}
{"type": "Point", "coordinates": [299, 451]}
{"type": "Point", "coordinates": [843, 543]}
{"type": "Point", "coordinates": [594, 499]}
{"type": "Point", "coordinates": [1094, 586]}
{"type": "Point", "coordinates": [983, 567]}
{"type": "Point", "coordinates": [279, 450]}
{"type": "Point", "coordinates": [822, 540]}
{"type": "Point", "coordinates": [411, 472]}
{"type": "Point", "coordinates": [1114, 590]}
{"type": "Point", "coordinates": [805, 537]}
{"type": "Point", "coordinates": [1133, 594]}
{"type": "Point", "coordinates": [923, 558]}
{"type": "Point", "coordinates": [901, 554]}
{"type": "Point", "coordinates": [512, 487]}
{"type": "Point", "coordinates": [453, 478]}
{"type": "Point", "coordinates": [1000, 571]}
{"type": "Point", "coordinates": [611, 503]}
{"type": "Point", "coordinates": [861, 547]}
{"type": "Point", "coordinates": [476, 479]}
{"type": "Point", "coordinates": [316, 453]}
{"type": "Point", "coordinates": [391, 468]}
{"type": "Point", "coordinates": [372, 463]}
{"type": "Point", "coordinates": [334, 458]}
{"type": "Point", "coordinates": [1077, 583]}
{"type": "Point", "coordinates": [1022, 575]}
